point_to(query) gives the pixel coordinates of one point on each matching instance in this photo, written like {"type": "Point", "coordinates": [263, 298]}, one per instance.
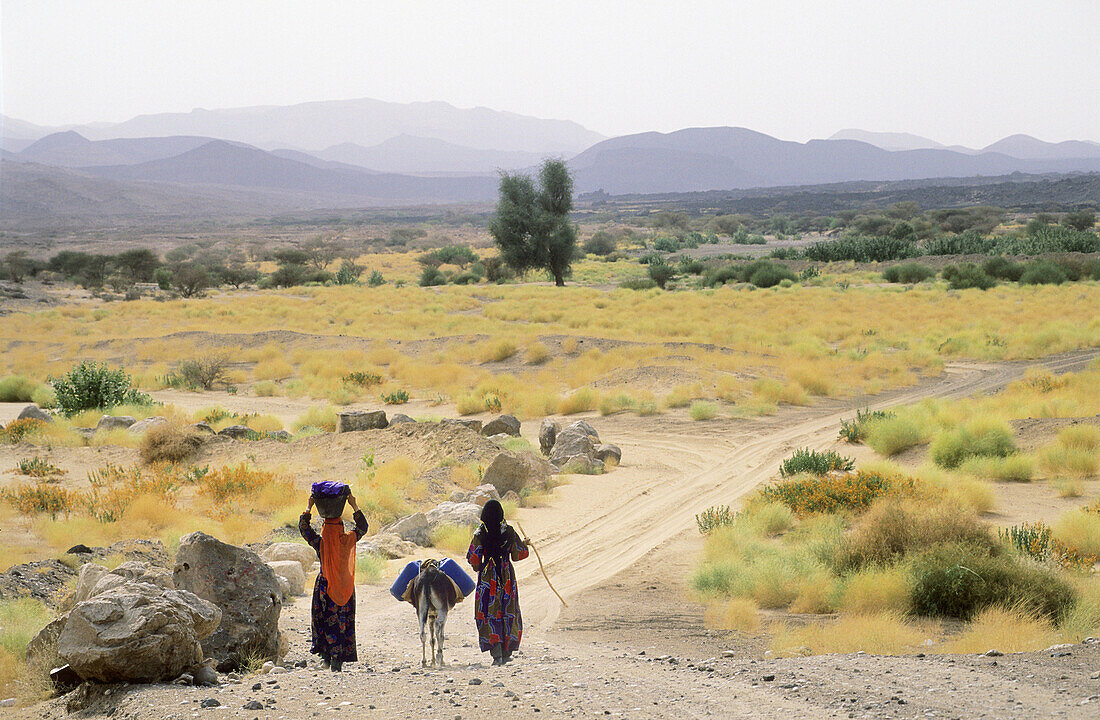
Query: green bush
{"type": "Point", "coordinates": [953, 447]}
{"type": "Point", "coordinates": [1002, 269]}
{"type": "Point", "coordinates": [601, 243]}
{"type": "Point", "coordinates": [397, 397]}
{"type": "Point", "coordinates": [890, 436]}
{"type": "Point", "coordinates": [431, 276]}
{"type": "Point", "coordinates": [855, 430]}
{"type": "Point", "coordinates": [967, 275]}
{"type": "Point", "coordinates": [1043, 272]}
{"type": "Point", "coordinates": [965, 243]}
{"type": "Point", "coordinates": [805, 460]}
{"type": "Point", "coordinates": [770, 274]}
{"type": "Point", "coordinates": [16, 388]}
{"type": "Point", "coordinates": [862, 249]}
{"type": "Point", "coordinates": [908, 273]}
{"type": "Point", "coordinates": [958, 580]}
{"type": "Point", "coordinates": [661, 273]}
{"type": "Point", "coordinates": [1049, 239]}
{"type": "Point", "coordinates": [91, 385]}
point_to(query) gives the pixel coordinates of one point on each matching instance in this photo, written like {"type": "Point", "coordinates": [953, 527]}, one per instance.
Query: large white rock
{"type": "Point", "coordinates": [454, 513]}
{"type": "Point", "coordinates": [515, 471]}
{"type": "Point", "coordinates": [303, 554]}
{"type": "Point", "coordinates": [291, 571]}
{"type": "Point", "coordinates": [387, 545]}
{"type": "Point", "coordinates": [412, 528]}
{"type": "Point", "coordinates": [137, 632]}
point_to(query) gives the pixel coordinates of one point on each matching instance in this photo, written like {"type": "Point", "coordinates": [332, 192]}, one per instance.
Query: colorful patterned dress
{"type": "Point", "coordinates": [496, 599]}
{"type": "Point", "coordinates": [333, 625]}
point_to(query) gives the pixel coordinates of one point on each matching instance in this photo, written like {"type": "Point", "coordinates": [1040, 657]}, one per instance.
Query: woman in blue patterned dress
{"type": "Point", "coordinates": [333, 611]}
{"type": "Point", "coordinates": [496, 601]}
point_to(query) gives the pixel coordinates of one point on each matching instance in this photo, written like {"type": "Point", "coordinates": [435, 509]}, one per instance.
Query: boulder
{"type": "Point", "coordinates": [280, 435]}
{"type": "Point", "coordinates": [482, 494]}
{"type": "Point", "coordinates": [398, 418]}
{"type": "Point", "coordinates": [303, 554]}
{"type": "Point", "coordinates": [607, 453]}
{"type": "Point", "coordinates": [548, 433]}
{"type": "Point", "coordinates": [582, 465]}
{"type": "Point", "coordinates": [242, 585]}
{"type": "Point", "coordinates": [583, 427]}
{"type": "Point", "coordinates": [202, 427]}
{"type": "Point", "coordinates": [291, 571]}
{"type": "Point", "coordinates": [451, 513]}
{"type": "Point", "coordinates": [236, 432]}
{"type": "Point", "coordinates": [355, 420]}
{"type": "Point", "coordinates": [500, 438]}
{"type": "Point", "coordinates": [412, 528]}
{"type": "Point", "coordinates": [43, 646]}
{"type": "Point", "coordinates": [570, 445]}
{"type": "Point", "coordinates": [474, 425]}
{"type": "Point", "coordinates": [114, 422]}
{"type": "Point", "coordinates": [284, 587]}
{"type": "Point", "coordinates": [89, 576]}
{"type": "Point", "coordinates": [144, 572]}
{"type": "Point", "coordinates": [511, 497]}
{"type": "Point", "coordinates": [515, 471]}
{"type": "Point", "coordinates": [64, 678]}
{"type": "Point", "coordinates": [33, 412]}
{"type": "Point", "coordinates": [137, 633]}
{"type": "Point", "coordinates": [387, 545]}
{"type": "Point", "coordinates": [143, 426]}
{"type": "Point", "coordinates": [502, 425]}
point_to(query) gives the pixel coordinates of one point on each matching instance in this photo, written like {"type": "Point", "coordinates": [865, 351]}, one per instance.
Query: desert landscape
{"type": "Point", "coordinates": [795, 421]}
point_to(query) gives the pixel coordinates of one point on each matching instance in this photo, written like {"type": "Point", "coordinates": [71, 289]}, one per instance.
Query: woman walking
{"type": "Point", "coordinates": [333, 609]}
{"type": "Point", "coordinates": [496, 602]}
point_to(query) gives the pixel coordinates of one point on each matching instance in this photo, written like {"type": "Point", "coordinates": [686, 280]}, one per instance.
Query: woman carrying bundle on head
{"type": "Point", "coordinates": [333, 609]}
{"type": "Point", "coordinates": [496, 601]}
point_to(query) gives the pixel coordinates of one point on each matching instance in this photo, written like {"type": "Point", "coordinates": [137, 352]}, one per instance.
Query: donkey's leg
{"type": "Point", "coordinates": [440, 622]}
{"type": "Point", "coordinates": [422, 613]}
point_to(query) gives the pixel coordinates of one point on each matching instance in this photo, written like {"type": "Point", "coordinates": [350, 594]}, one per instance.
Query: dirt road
{"type": "Point", "coordinates": [632, 645]}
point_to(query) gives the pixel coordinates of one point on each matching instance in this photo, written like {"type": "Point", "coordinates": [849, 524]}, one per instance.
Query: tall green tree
{"type": "Point", "coordinates": [531, 225]}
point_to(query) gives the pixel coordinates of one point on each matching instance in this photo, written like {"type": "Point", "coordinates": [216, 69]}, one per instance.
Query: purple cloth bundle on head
{"type": "Point", "coordinates": [330, 488]}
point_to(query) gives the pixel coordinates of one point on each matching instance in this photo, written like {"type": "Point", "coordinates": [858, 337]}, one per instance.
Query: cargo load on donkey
{"type": "Point", "coordinates": [433, 587]}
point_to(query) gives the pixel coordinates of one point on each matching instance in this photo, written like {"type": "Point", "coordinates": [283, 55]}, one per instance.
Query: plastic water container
{"type": "Point", "coordinates": [451, 568]}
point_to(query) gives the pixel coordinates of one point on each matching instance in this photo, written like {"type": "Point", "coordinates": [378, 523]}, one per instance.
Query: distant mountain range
{"type": "Point", "coordinates": [369, 152]}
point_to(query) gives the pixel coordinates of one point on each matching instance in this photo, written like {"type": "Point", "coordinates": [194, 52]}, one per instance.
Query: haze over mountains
{"type": "Point", "coordinates": [369, 152]}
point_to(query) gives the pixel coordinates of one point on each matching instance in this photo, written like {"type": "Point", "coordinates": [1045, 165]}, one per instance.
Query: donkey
{"type": "Point", "coordinates": [433, 596]}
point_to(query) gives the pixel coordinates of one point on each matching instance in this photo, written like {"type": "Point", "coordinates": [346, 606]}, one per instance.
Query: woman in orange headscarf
{"type": "Point", "coordinates": [334, 592]}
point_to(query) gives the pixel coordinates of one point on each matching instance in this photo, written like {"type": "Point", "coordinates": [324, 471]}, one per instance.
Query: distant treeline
{"type": "Point", "coordinates": [802, 205]}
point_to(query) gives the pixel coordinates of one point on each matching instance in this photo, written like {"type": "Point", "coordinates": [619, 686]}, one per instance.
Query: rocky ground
{"type": "Point", "coordinates": [631, 644]}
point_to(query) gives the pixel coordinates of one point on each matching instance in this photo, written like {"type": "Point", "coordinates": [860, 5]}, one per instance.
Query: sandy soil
{"type": "Point", "coordinates": [632, 643]}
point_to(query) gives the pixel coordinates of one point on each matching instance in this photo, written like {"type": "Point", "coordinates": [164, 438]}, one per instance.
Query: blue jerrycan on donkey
{"type": "Point", "coordinates": [449, 567]}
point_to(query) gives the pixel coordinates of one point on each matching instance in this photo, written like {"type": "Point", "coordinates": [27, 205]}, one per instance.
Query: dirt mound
{"type": "Point", "coordinates": [1032, 433]}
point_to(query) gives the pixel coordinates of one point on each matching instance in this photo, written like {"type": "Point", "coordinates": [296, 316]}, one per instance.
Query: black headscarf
{"type": "Point", "coordinates": [494, 539]}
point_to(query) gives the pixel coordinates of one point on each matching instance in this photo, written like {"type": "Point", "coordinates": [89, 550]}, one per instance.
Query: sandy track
{"type": "Point", "coordinates": [605, 524]}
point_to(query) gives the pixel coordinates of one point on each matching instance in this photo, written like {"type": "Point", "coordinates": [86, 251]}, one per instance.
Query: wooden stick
{"type": "Point", "coordinates": [527, 541]}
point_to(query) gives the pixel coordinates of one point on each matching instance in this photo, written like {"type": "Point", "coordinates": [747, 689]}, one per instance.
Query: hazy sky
{"type": "Point", "coordinates": [958, 71]}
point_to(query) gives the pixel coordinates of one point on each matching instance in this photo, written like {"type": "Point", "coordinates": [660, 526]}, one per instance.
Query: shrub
{"type": "Point", "coordinates": [601, 243]}
{"type": "Point", "coordinates": [582, 400]}
{"type": "Point", "coordinates": [855, 431]}
{"type": "Point", "coordinates": [432, 276]}
{"type": "Point", "coordinates": [202, 373]}
{"type": "Point", "coordinates": [660, 273]}
{"type": "Point", "coordinates": [1079, 531]}
{"type": "Point", "coordinates": [397, 397]}
{"type": "Point", "coordinates": [1002, 269]}
{"type": "Point", "coordinates": [536, 354]}
{"type": "Point", "coordinates": [348, 274]}
{"type": "Point", "coordinates": [966, 276]}
{"type": "Point", "coordinates": [829, 494]}
{"type": "Point", "coordinates": [862, 249]}
{"type": "Point", "coordinates": [1037, 541]}
{"type": "Point", "coordinates": [966, 243]}
{"type": "Point", "coordinates": [873, 590]}
{"type": "Point", "coordinates": [908, 273]}
{"type": "Point", "coordinates": [362, 379]}
{"type": "Point", "coordinates": [498, 350]}
{"type": "Point", "coordinates": [805, 460]}
{"type": "Point", "coordinates": [38, 467]}
{"type": "Point", "coordinates": [975, 439]}
{"type": "Point", "coordinates": [40, 498]}
{"type": "Point", "coordinates": [17, 430]}
{"type": "Point", "coordinates": [703, 410]}
{"type": "Point", "coordinates": [1009, 629]}
{"type": "Point", "coordinates": [227, 482]}
{"type": "Point", "coordinates": [1043, 272]}
{"type": "Point", "coordinates": [1012, 468]}
{"type": "Point", "coordinates": [894, 527]}
{"type": "Point", "coordinates": [16, 388]}
{"type": "Point", "coordinates": [91, 386]}
{"type": "Point", "coordinates": [169, 442]}
{"type": "Point", "coordinates": [715, 517]}
{"type": "Point", "coordinates": [770, 274]}
{"type": "Point", "coordinates": [892, 435]}
{"type": "Point", "coordinates": [958, 580]}
{"type": "Point", "coordinates": [638, 283]}
{"type": "Point", "coordinates": [323, 417]}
